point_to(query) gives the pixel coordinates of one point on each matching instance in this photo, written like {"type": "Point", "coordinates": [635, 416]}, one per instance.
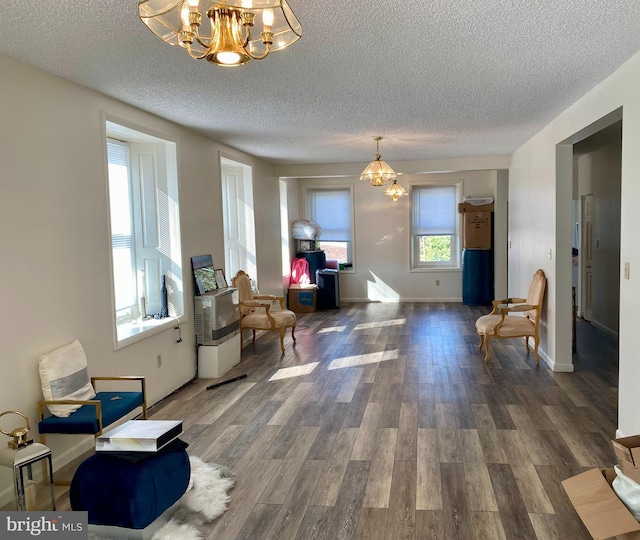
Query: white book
{"type": "Point", "coordinates": [139, 436]}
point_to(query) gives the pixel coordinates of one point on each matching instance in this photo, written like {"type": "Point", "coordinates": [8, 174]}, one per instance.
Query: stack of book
{"type": "Point", "coordinates": [139, 436]}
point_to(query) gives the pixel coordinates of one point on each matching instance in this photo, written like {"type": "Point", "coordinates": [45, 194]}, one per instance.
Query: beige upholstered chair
{"type": "Point", "coordinates": [256, 313]}
{"type": "Point", "coordinates": [500, 324]}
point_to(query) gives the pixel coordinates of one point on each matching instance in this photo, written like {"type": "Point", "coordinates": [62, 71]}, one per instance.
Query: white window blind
{"type": "Point", "coordinates": [122, 226]}
{"type": "Point", "coordinates": [434, 210]}
{"type": "Point", "coordinates": [331, 209]}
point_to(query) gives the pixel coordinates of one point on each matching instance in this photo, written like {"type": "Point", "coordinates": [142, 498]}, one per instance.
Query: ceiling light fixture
{"type": "Point", "coordinates": [395, 191]}
{"type": "Point", "coordinates": [224, 38]}
{"type": "Point", "coordinates": [378, 173]}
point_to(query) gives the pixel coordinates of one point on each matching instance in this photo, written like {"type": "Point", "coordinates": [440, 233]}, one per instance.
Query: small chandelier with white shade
{"type": "Point", "coordinates": [395, 191]}
{"type": "Point", "coordinates": [378, 173]}
{"type": "Point", "coordinates": [224, 37]}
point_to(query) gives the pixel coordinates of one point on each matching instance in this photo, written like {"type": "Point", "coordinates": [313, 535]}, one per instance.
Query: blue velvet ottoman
{"type": "Point", "coordinates": [130, 489]}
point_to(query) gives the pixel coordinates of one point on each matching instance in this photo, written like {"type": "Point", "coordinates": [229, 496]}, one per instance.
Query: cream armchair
{"type": "Point", "coordinates": [256, 313]}
{"type": "Point", "coordinates": [501, 324]}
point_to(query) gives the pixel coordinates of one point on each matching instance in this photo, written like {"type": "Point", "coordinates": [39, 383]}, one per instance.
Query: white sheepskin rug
{"type": "Point", "coordinates": [206, 498]}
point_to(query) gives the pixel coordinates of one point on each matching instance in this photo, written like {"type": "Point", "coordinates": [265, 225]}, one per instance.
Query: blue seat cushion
{"type": "Point", "coordinates": [115, 405]}
{"type": "Point", "coordinates": [120, 492]}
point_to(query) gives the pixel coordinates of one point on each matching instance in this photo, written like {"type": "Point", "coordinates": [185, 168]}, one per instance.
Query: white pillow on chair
{"type": "Point", "coordinates": [63, 375]}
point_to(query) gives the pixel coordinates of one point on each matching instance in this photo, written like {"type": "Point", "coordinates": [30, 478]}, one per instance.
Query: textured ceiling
{"type": "Point", "coordinates": [435, 78]}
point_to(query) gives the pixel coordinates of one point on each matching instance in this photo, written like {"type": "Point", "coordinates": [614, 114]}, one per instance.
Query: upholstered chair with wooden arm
{"type": "Point", "coordinates": [256, 312]}
{"type": "Point", "coordinates": [514, 318]}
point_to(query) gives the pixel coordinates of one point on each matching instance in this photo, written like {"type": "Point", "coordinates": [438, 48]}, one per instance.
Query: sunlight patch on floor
{"type": "Point", "coordinates": [363, 359]}
{"type": "Point", "coordinates": [332, 329]}
{"type": "Point", "coordinates": [294, 371]}
{"type": "Point", "coordinates": [381, 324]}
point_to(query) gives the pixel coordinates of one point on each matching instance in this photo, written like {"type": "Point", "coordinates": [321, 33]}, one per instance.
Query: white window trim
{"type": "Point", "coordinates": [457, 249]}
{"type": "Point", "coordinates": [125, 334]}
{"type": "Point", "coordinates": [305, 204]}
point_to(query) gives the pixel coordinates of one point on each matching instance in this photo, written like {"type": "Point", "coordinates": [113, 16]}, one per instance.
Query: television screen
{"type": "Point", "coordinates": [203, 274]}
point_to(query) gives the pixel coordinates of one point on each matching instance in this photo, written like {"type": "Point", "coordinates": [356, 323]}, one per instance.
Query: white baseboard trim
{"type": "Point", "coordinates": [605, 329]}
{"type": "Point", "coordinates": [556, 367]}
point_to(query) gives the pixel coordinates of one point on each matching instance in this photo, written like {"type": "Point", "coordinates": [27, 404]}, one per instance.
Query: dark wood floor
{"type": "Point", "coordinates": [384, 422]}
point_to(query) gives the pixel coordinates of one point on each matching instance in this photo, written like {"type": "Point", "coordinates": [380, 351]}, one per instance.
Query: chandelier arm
{"type": "Point", "coordinates": [200, 40]}
{"type": "Point", "coordinates": [194, 55]}
{"type": "Point", "coordinates": [260, 57]}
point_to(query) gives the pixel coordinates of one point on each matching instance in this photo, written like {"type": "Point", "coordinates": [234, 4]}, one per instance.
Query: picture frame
{"type": "Point", "coordinates": [220, 279]}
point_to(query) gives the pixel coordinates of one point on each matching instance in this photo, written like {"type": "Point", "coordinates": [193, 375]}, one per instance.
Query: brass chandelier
{"type": "Point", "coordinates": [395, 191]}
{"type": "Point", "coordinates": [378, 173]}
{"type": "Point", "coordinates": [224, 37]}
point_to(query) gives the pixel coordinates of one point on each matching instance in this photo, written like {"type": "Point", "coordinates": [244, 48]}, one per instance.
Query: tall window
{"type": "Point", "coordinates": [145, 231]}
{"type": "Point", "coordinates": [239, 218]}
{"type": "Point", "coordinates": [435, 226]}
{"type": "Point", "coordinates": [332, 209]}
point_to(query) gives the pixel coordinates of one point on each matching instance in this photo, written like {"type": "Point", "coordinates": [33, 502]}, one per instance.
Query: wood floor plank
{"type": "Point", "coordinates": [580, 442]}
{"type": "Point", "coordinates": [349, 385]}
{"type": "Point", "coordinates": [529, 484]}
{"type": "Point", "coordinates": [378, 488]}
{"type": "Point", "coordinates": [345, 514]}
{"type": "Point", "coordinates": [480, 490]}
{"type": "Point", "coordinates": [430, 525]}
{"type": "Point", "coordinates": [456, 511]}
{"type": "Point", "coordinates": [298, 396]}
{"type": "Point", "coordinates": [488, 433]}
{"type": "Point", "coordinates": [328, 488]}
{"type": "Point", "coordinates": [367, 432]}
{"type": "Point", "coordinates": [513, 512]}
{"type": "Point", "coordinates": [428, 487]}
{"type": "Point", "coordinates": [401, 520]}
{"type": "Point", "coordinates": [286, 524]}
{"type": "Point", "coordinates": [448, 444]}
{"type": "Point", "coordinates": [278, 489]}
{"type": "Point", "coordinates": [243, 499]}
{"type": "Point", "coordinates": [407, 443]}
{"type": "Point", "coordinates": [532, 438]}
{"type": "Point", "coordinates": [372, 524]}
{"type": "Point", "coordinates": [488, 526]}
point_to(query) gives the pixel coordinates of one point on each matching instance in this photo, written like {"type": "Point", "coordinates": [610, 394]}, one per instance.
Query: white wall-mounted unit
{"type": "Point", "coordinates": [217, 316]}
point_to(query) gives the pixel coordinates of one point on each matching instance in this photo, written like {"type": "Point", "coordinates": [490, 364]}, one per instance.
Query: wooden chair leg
{"type": "Point", "coordinates": [535, 350]}
{"type": "Point", "coordinates": [526, 342]}
{"type": "Point", "coordinates": [481, 342]}
{"type": "Point", "coordinates": [293, 333]}
{"type": "Point", "coordinates": [282, 339]}
{"type": "Point", "coordinates": [486, 347]}
{"type": "Point", "coordinates": [254, 336]}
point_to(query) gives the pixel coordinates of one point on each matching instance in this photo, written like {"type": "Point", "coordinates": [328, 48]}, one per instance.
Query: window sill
{"type": "Point", "coordinates": [436, 269]}
{"type": "Point", "coordinates": [133, 332]}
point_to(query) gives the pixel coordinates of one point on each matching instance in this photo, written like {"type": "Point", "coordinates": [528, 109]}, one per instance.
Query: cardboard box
{"type": "Point", "coordinates": [302, 298]}
{"type": "Point", "coordinates": [477, 230]}
{"type": "Point", "coordinates": [468, 207]}
{"type": "Point", "coordinates": [627, 451]}
{"type": "Point", "coordinates": [602, 512]}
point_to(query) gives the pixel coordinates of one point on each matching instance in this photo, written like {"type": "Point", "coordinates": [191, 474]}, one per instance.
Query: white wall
{"type": "Point", "coordinates": [540, 218]}
{"type": "Point", "coordinates": [55, 244]}
{"type": "Point", "coordinates": [382, 239]}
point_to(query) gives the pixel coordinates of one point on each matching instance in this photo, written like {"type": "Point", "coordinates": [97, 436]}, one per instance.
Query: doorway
{"type": "Point", "coordinates": [597, 190]}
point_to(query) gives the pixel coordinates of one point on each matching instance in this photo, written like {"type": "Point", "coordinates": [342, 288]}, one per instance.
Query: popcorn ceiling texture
{"type": "Point", "coordinates": [435, 78]}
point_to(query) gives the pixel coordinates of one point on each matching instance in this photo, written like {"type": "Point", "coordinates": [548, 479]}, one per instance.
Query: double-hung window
{"type": "Point", "coordinates": [144, 217]}
{"type": "Point", "coordinates": [435, 226]}
{"type": "Point", "coordinates": [332, 209]}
